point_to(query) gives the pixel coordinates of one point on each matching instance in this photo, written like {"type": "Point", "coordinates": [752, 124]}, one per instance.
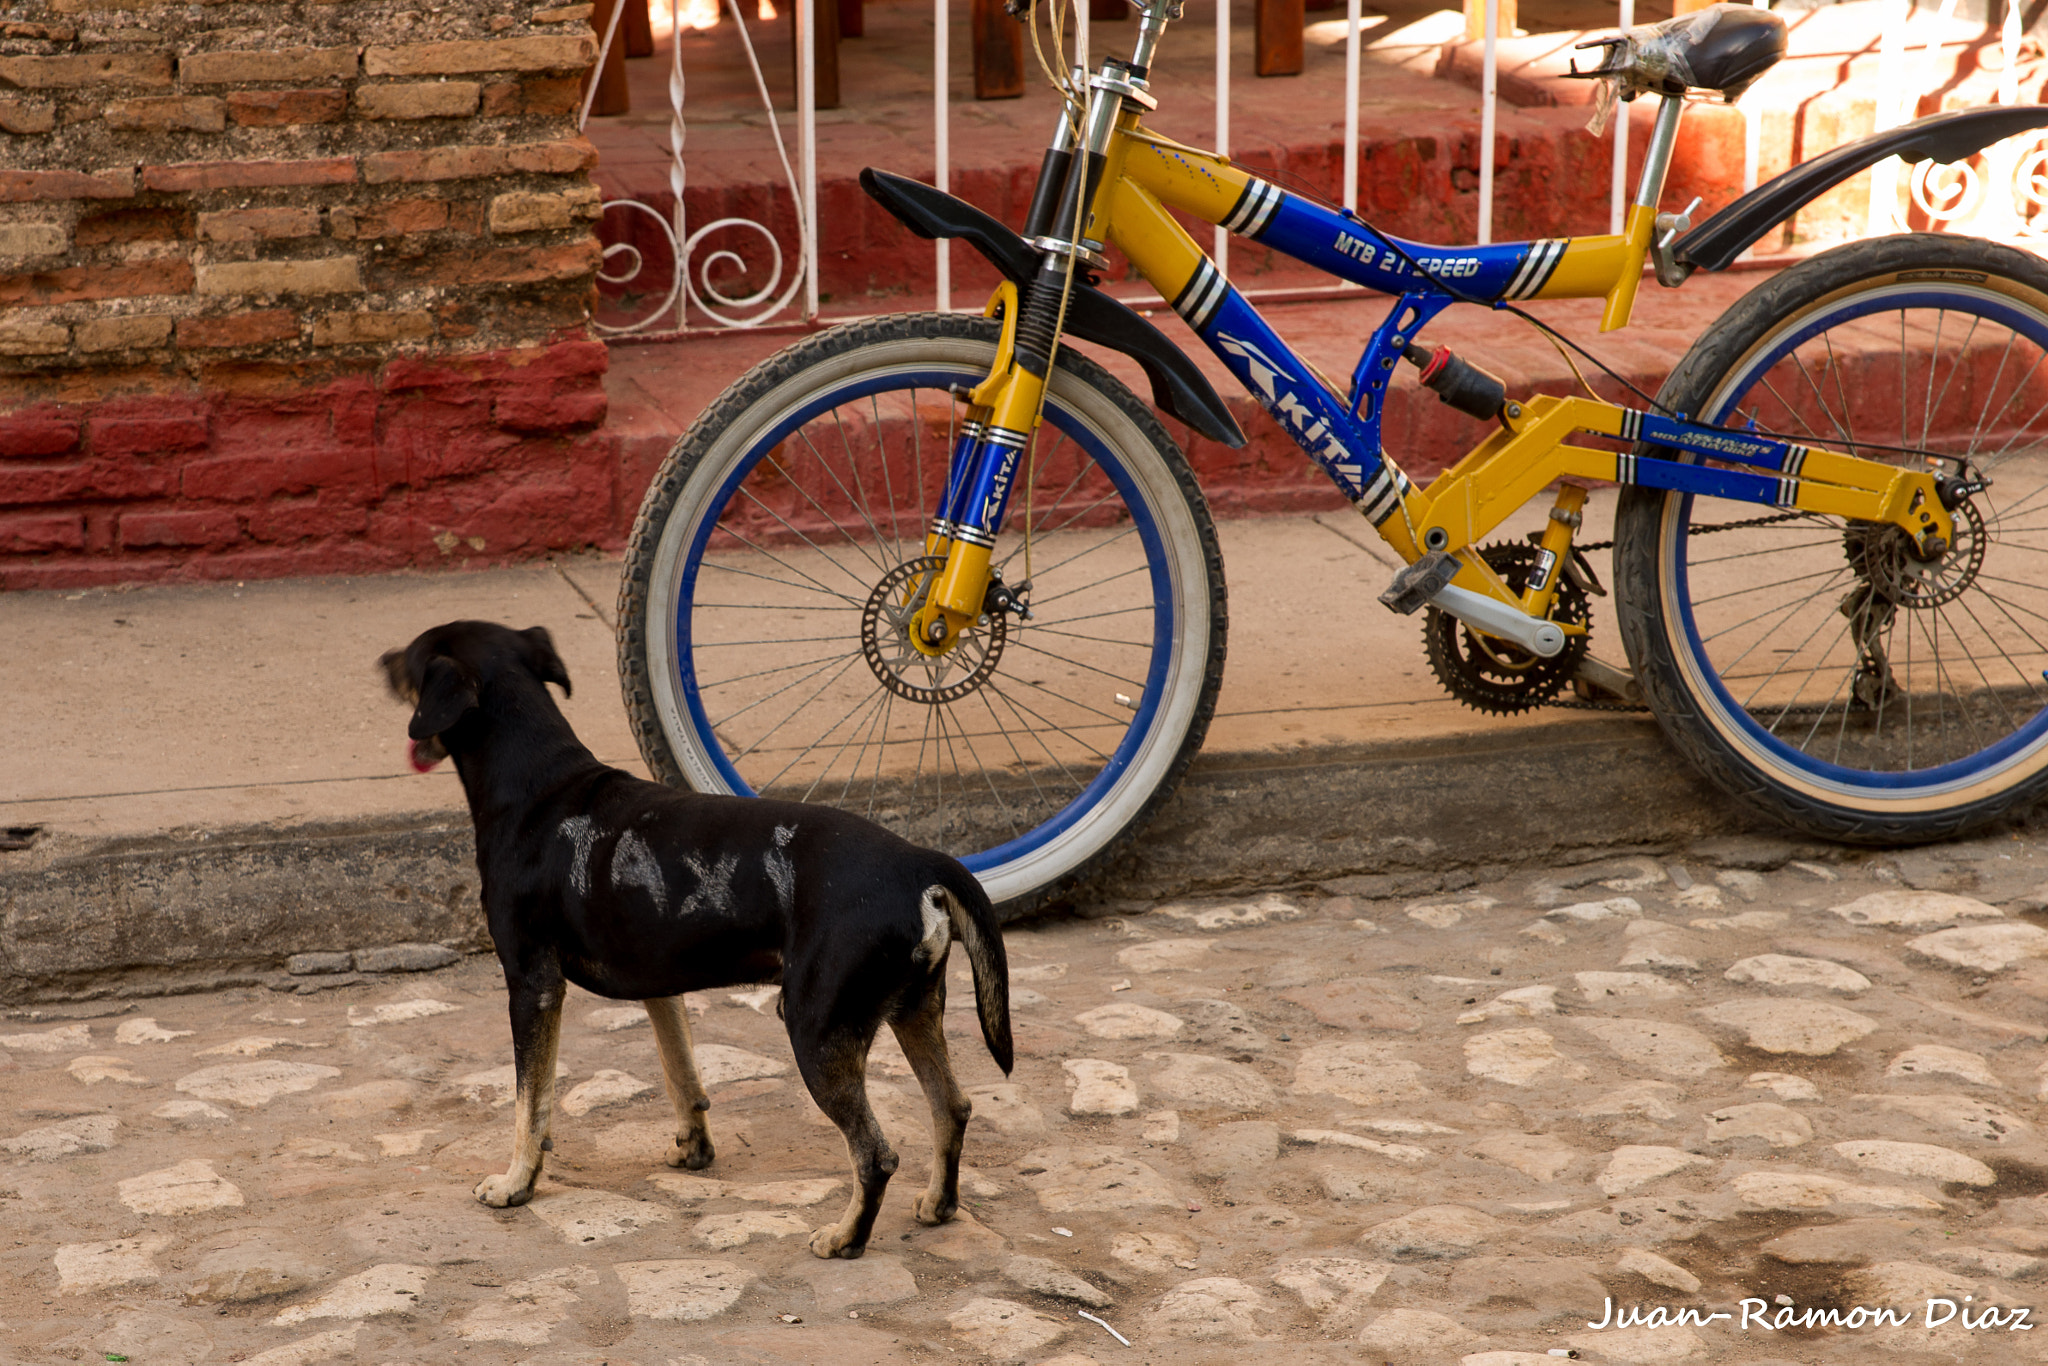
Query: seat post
{"type": "Point", "coordinates": [1657, 156]}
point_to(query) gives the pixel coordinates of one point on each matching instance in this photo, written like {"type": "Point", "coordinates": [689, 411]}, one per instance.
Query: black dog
{"type": "Point", "coordinates": [639, 892]}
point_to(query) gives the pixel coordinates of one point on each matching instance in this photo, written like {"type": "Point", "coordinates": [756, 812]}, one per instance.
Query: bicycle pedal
{"type": "Point", "coordinates": [1414, 586]}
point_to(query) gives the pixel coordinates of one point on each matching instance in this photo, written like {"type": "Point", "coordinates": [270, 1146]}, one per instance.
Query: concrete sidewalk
{"type": "Point", "coordinates": [210, 778]}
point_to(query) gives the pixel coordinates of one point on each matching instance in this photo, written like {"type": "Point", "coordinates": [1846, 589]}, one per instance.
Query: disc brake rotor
{"type": "Point", "coordinates": [1881, 555]}
{"type": "Point", "coordinates": [904, 669]}
{"type": "Point", "coordinates": [1489, 674]}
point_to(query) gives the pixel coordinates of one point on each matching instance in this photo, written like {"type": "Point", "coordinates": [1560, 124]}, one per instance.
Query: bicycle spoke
{"type": "Point", "coordinates": [996, 722]}
{"type": "Point", "coordinates": [872, 703]}
{"type": "Point", "coordinates": [1793, 413]}
{"type": "Point", "coordinates": [1789, 657]}
{"type": "Point", "coordinates": [1990, 390]}
{"type": "Point", "coordinates": [1748, 590]}
{"type": "Point", "coordinates": [815, 695]}
{"type": "Point", "coordinates": [1084, 664]}
{"type": "Point", "coordinates": [1048, 724]}
{"type": "Point", "coordinates": [805, 494]}
{"type": "Point", "coordinates": [1039, 604]}
{"type": "Point", "coordinates": [1848, 409]}
{"type": "Point", "coordinates": [1767, 612]}
{"type": "Point", "coordinates": [1841, 682]}
{"type": "Point", "coordinates": [1941, 399]}
{"type": "Point", "coordinates": [1977, 663]}
{"type": "Point", "coordinates": [875, 783]}
{"type": "Point", "coordinates": [877, 717]}
{"type": "Point", "coordinates": [1040, 632]}
{"type": "Point", "coordinates": [1752, 554]}
{"type": "Point", "coordinates": [1074, 702]}
{"type": "Point", "coordinates": [1043, 570]}
{"type": "Point", "coordinates": [822, 661]}
{"type": "Point", "coordinates": [817, 584]}
{"type": "Point", "coordinates": [766, 640]}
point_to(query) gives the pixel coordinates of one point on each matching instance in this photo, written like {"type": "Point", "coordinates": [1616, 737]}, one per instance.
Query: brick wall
{"type": "Point", "coordinates": [294, 287]}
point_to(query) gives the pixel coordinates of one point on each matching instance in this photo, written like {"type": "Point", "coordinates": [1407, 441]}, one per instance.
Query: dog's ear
{"type": "Point", "coordinates": [393, 664]}
{"type": "Point", "coordinates": [447, 690]}
{"type": "Point", "coordinates": [547, 666]}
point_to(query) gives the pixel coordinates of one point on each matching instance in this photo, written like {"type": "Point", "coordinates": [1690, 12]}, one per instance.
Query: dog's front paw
{"type": "Point", "coordinates": [503, 1192]}
{"type": "Point", "coordinates": [930, 1211]}
{"type": "Point", "coordinates": [834, 1241]}
{"type": "Point", "coordinates": [694, 1152]}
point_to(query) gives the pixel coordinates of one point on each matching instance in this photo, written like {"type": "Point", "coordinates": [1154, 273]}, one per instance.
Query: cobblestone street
{"type": "Point", "coordinates": [1385, 1120]}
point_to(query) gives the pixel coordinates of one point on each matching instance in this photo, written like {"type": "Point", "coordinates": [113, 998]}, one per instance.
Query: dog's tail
{"type": "Point", "coordinates": [974, 925]}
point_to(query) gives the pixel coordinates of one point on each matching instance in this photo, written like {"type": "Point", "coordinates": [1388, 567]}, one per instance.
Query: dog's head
{"type": "Point", "coordinates": [446, 670]}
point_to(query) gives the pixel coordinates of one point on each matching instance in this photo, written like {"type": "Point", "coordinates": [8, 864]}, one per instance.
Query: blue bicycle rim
{"type": "Point", "coordinates": [2023, 739]}
{"type": "Point", "coordinates": [1164, 625]}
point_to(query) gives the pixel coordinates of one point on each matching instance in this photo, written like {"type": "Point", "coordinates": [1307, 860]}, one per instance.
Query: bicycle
{"type": "Point", "coordinates": [945, 570]}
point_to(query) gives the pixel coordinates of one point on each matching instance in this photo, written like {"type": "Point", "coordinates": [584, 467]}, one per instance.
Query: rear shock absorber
{"type": "Point", "coordinates": [1458, 382]}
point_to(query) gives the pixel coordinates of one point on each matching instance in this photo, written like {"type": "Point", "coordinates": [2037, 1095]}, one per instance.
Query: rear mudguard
{"type": "Point", "coordinates": [1938, 138]}
{"type": "Point", "coordinates": [1178, 385]}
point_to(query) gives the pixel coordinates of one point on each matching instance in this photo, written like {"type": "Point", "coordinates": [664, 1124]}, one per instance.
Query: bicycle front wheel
{"type": "Point", "coordinates": [780, 552]}
{"type": "Point", "coordinates": [1812, 666]}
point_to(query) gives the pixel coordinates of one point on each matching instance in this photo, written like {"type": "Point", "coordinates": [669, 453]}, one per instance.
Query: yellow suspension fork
{"type": "Point", "coordinates": [1014, 391]}
{"type": "Point", "coordinates": [1002, 414]}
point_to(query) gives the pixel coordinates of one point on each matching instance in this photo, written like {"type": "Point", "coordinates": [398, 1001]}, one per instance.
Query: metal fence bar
{"type": "Point", "coordinates": [1351, 58]}
{"type": "Point", "coordinates": [1222, 245]}
{"type": "Point", "coordinates": [807, 137]}
{"type": "Point", "coordinates": [942, 140]}
{"type": "Point", "coordinates": [1617, 204]}
{"type": "Point", "coordinates": [1489, 70]}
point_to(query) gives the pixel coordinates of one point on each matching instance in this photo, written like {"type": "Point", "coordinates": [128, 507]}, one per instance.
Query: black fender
{"type": "Point", "coordinates": [1938, 138]}
{"type": "Point", "coordinates": [1178, 385]}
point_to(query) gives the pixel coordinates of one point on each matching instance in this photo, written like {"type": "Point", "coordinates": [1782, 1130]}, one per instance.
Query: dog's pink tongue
{"type": "Point", "coordinates": [412, 755]}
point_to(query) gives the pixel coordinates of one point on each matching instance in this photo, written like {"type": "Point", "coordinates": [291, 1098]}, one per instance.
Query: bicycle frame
{"type": "Point", "coordinates": [1120, 179]}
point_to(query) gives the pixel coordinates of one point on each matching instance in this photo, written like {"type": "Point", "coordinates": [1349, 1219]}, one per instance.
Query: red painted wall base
{"type": "Point", "coordinates": [456, 460]}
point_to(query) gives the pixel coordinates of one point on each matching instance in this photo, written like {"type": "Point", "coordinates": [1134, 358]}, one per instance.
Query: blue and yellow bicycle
{"type": "Point", "coordinates": [948, 571]}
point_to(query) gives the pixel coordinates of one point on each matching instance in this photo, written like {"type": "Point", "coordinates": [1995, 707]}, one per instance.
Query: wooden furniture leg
{"type": "Point", "coordinates": [636, 30]}
{"type": "Point", "coordinates": [999, 43]}
{"type": "Point", "coordinates": [612, 97]}
{"type": "Point", "coordinates": [1278, 48]}
{"type": "Point", "coordinates": [825, 43]}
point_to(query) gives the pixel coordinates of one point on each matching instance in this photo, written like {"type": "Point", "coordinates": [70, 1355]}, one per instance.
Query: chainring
{"type": "Point", "coordinates": [1491, 675]}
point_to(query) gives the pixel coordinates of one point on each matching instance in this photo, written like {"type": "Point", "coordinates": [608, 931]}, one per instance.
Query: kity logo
{"type": "Point", "coordinates": [1275, 389]}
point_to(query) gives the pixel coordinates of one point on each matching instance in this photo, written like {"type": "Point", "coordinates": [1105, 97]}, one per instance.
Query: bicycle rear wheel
{"type": "Point", "coordinates": [1811, 666]}
{"type": "Point", "coordinates": [780, 551]}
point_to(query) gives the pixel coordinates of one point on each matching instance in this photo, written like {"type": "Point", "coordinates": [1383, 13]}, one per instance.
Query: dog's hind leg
{"type": "Point", "coordinates": [536, 1037]}
{"type": "Point", "coordinates": [685, 1090]}
{"type": "Point", "coordinates": [835, 1070]}
{"type": "Point", "coordinates": [923, 1037]}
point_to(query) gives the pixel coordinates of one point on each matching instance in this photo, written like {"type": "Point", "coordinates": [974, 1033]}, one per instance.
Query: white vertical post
{"type": "Point", "coordinates": [676, 132]}
{"type": "Point", "coordinates": [1617, 202]}
{"type": "Point", "coordinates": [1351, 17]}
{"type": "Point", "coordinates": [2009, 46]}
{"type": "Point", "coordinates": [807, 137]}
{"type": "Point", "coordinates": [1752, 131]}
{"type": "Point", "coordinates": [1489, 68]}
{"type": "Point", "coordinates": [942, 141]}
{"type": "Point", "coordinates": [1222, 252]}
{"type": "Point", "coordinates": [1892, 100]}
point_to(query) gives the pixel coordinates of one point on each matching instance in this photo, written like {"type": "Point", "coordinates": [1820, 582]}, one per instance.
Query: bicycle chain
{"type": "Point", "coordinates": [1583, 704]}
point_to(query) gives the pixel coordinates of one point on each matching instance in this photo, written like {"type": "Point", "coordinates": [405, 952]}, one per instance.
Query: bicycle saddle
{"type": "Point", "coordinates": [1722, 48]}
